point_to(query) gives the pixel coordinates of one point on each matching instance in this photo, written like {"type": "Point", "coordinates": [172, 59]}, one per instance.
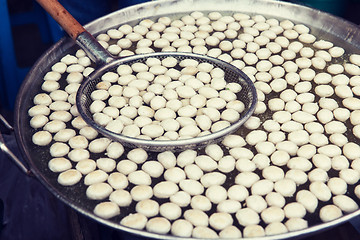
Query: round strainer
{"type": "Point", "coordinates": [247, 95]}
{"type": "Point", "coordinates": [107, 63]}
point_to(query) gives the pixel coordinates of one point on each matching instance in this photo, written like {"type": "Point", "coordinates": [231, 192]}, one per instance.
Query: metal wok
{"type": "Point", "coordinates": [323, 25]}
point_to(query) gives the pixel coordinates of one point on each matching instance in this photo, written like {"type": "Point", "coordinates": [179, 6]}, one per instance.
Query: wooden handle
{"type": "Point", "coordinates": [63, 17]}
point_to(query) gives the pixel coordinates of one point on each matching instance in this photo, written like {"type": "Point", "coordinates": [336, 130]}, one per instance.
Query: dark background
{"type": "Point", "coordinates": [27, 210]}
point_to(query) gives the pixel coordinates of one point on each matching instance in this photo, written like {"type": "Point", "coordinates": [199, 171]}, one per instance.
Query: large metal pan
{"type": "Point", "coordinates": [326, 26]}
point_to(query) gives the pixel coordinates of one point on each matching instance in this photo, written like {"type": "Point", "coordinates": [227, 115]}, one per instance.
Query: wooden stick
{"type": "Point", "coordinates": [63, 17]}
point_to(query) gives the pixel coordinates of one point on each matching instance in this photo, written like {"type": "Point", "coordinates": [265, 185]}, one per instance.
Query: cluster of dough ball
{"type": "Point", "coordinates": [303, 137]}
{"type": "Point", "coordinates": [166, 99]}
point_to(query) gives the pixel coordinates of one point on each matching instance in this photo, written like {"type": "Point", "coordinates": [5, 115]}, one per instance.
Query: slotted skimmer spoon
{"type": "Point", "coordinates": [108, 63]}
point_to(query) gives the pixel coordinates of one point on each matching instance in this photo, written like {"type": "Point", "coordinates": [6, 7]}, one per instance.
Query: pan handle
{"type": "Point", "coordinates": [8, 152]}
{"type": "Point", "coordinates": [6, 123]}
{"type": "Point", "coordinates": [76, 31]}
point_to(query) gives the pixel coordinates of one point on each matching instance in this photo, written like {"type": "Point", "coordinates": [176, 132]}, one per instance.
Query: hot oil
{"type": "Point", "coordinates": [311, 218]}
